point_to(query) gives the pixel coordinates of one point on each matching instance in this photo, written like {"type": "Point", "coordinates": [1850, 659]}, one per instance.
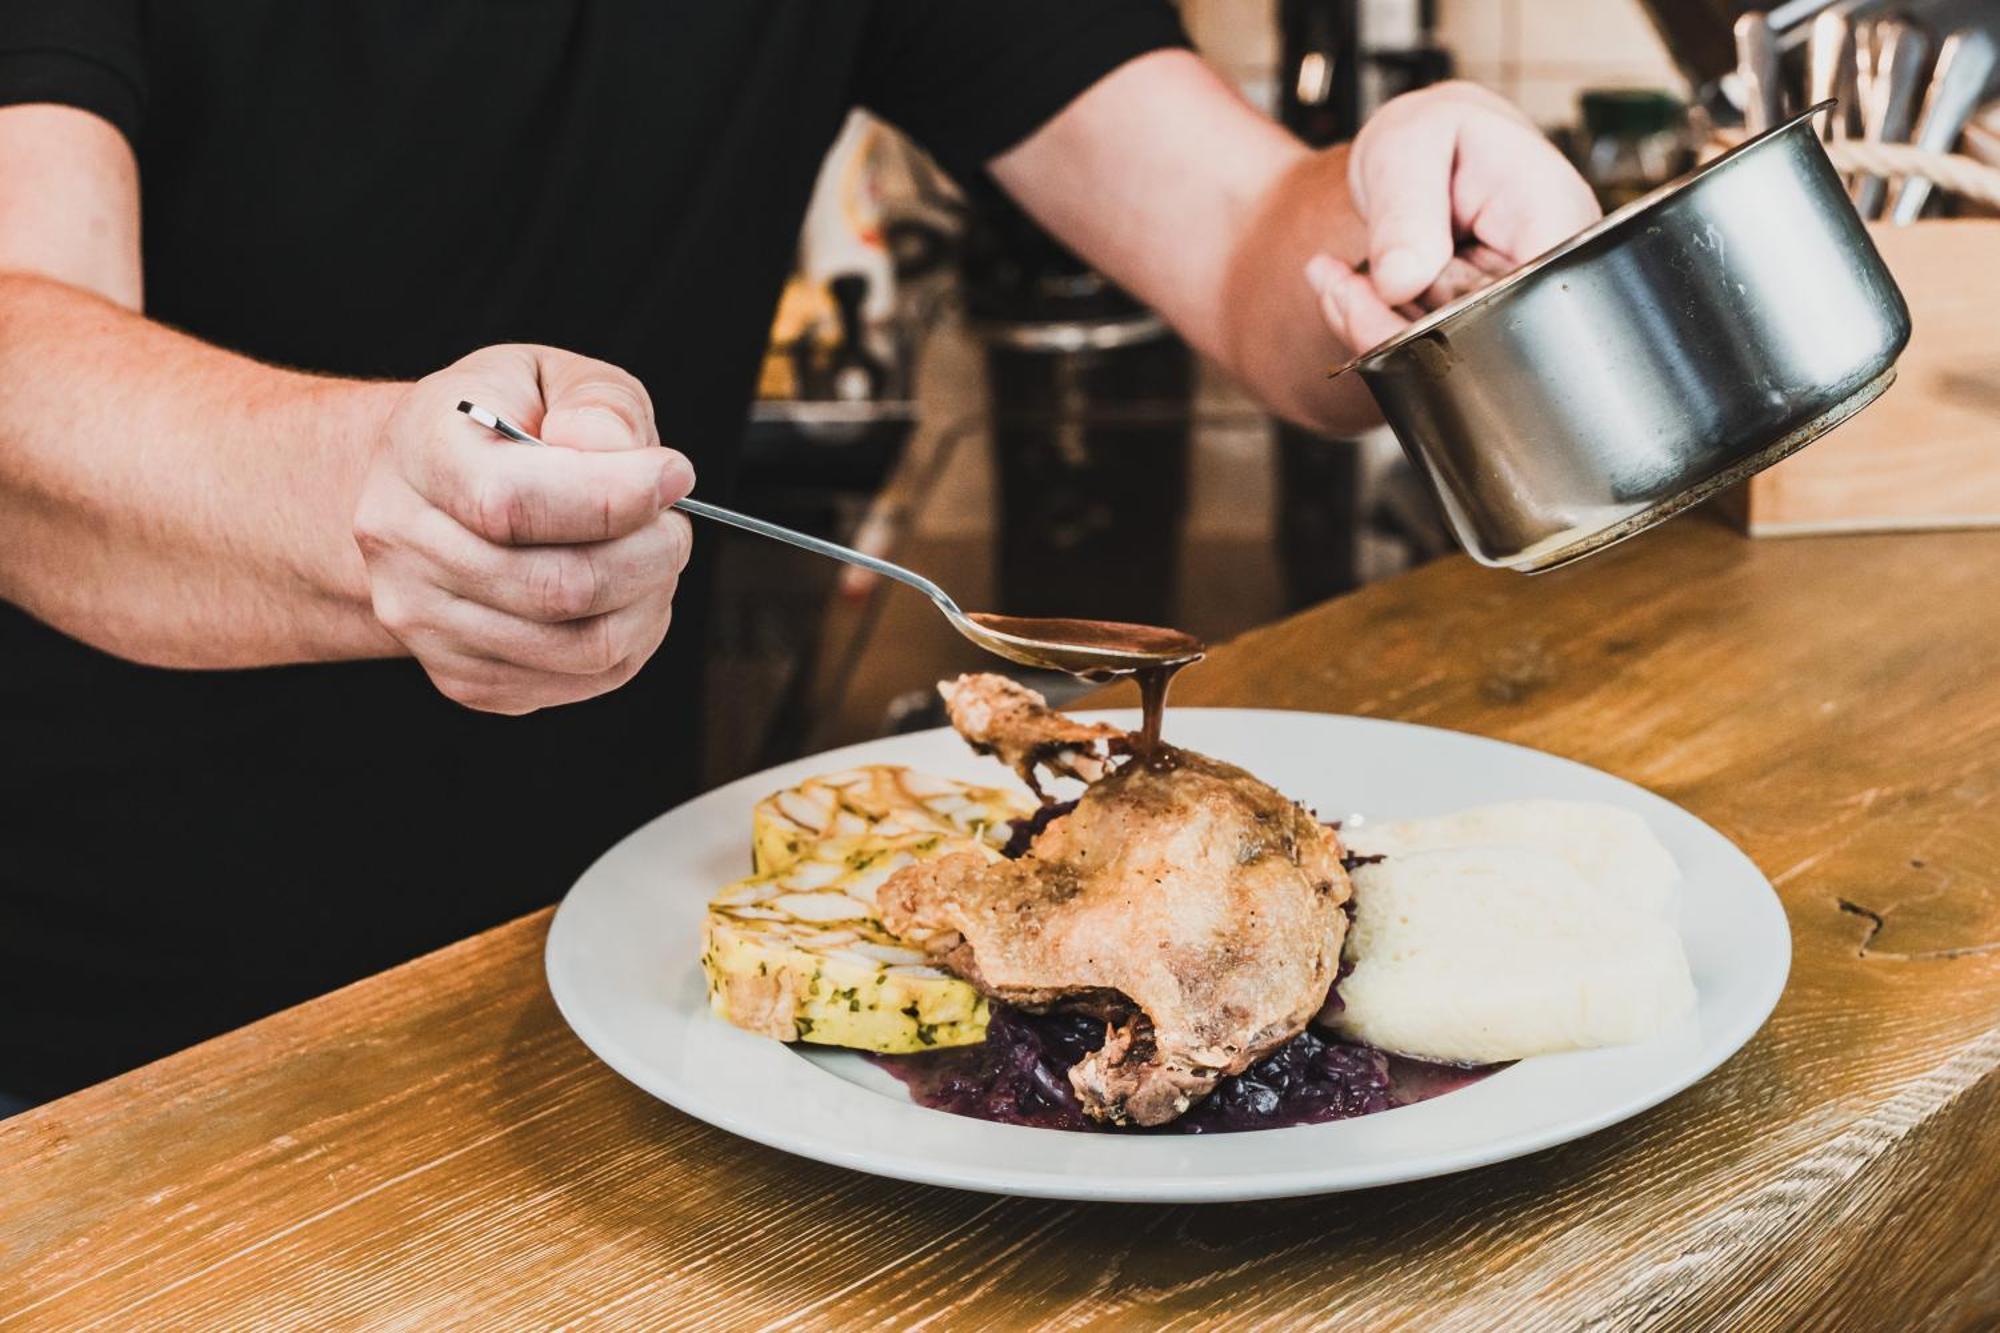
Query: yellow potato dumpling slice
{"type": "Point", "coordinates": [800, 953]}
{"type": "Point", "coordinates": [881, 800]}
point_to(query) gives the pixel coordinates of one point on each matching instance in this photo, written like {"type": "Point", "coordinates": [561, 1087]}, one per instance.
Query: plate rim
{"type": "Point", "coordinates": [1743, 1025]}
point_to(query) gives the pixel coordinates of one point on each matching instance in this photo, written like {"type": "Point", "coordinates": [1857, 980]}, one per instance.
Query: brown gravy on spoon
{"type": "Point", "coordinates": [1172, 649]}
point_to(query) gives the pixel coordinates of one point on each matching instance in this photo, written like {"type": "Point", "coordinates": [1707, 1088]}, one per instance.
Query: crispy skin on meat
{"type": "Point", "coordinates": [1192, 906]}
{"type": "Point", "coordinates": [1016, 726]}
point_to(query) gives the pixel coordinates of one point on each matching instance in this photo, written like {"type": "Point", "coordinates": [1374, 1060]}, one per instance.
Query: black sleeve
{"type": "Point", "coordinates": [969, 79]}
{"type": "Point", "coordinates": [80, 53]}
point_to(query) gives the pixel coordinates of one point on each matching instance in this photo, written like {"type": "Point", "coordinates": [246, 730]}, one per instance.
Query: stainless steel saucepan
{"type": "Point", "coordinates": [1690, 339]}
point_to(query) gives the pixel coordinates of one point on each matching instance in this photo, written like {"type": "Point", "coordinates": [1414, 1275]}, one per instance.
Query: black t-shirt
{"type": "Point", "coordinates": [375, 188]}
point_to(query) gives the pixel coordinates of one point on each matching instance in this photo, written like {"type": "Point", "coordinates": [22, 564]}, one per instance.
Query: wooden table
{"type": "Point", "coordinates": [433, 1147]}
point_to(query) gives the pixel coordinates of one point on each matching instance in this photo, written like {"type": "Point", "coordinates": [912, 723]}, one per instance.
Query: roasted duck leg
{"type": "Point", "coordinates": [1191, 906]}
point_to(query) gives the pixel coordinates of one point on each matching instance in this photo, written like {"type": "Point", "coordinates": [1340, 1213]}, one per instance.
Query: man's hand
{"type": "Point", "coordinates": [523, 577]}
{"type": "Point", "coordinates": [1166, 180]}
{"type": "Point", "coordinates": [1454, 187]}
{"type": "Point", "coordinates": [178, 505]}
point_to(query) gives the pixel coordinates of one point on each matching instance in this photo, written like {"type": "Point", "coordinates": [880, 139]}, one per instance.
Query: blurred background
{"type": "Point", "coordinates": [1539, 53]}
{"type": "Point", "coordinates": [947, 386]}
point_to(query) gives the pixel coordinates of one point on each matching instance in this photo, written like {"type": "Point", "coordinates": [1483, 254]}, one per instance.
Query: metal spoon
{"type": "Point", "coordinates": [1964, 65]}
{"type": "Point", "coordinates": [1095, 648]}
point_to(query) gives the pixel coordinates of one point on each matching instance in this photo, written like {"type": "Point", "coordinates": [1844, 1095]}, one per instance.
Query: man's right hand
{"type": "Point", "coordinates": [523, 577]}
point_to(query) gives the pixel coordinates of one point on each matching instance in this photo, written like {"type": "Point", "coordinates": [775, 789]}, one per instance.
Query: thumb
{"type": "Point", "coordinates": [592, 405]}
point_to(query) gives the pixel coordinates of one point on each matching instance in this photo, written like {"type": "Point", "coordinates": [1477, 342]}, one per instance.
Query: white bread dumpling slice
{"type": "Point", "coordinates": [1609, 846]}
{"type": "Point", "coordinates": [1475, 954]}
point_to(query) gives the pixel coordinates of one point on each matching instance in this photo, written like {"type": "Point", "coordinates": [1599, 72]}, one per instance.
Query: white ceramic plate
{"type": "Point", "coordinates": [622, 963]}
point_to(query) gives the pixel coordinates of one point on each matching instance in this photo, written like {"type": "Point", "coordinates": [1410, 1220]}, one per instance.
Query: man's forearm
{"type": "Point", "coordinates": [1166, 180]}
{"type": "Point", "coordinates": [173, 503]}
{"type": "Point", "coordinates": [1271, 333]}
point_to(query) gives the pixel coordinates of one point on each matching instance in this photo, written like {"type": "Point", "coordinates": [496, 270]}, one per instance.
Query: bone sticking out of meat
{"type": "Point", "coordinates": [1191, 906]}
{"type": "Point", "coordinates": [1105, 650]}
{"type": "Point", "coordinates": [1016, 726]}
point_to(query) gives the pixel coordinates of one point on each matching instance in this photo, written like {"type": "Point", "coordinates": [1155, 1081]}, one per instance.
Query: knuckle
{"type": "Point", "coordinates": [371, 536]}
{"type": "Point", "coordinates": [624, 669]}
{"type": "Point", "coordinates": [393, 608]}
{"type": "Point", "coordinates": [492, 365]}
{"type": "Point", "coordinates": [656, 634]}
{"type": "Point", "coordinates": [463, 690]}
{"type": "Point", "coordinates": [564, 585]}
{"type": "Point", "coordinates": [503, 511]}
{"type": "Point", "coordinates": [617, 508]}
{"type": "Point", "coordinates": [373, 526]}
{"type": "Point", "coordinates": [644, 635]}
{"type": "Point", "coordinates": [476, 697]}
{"type": "Point", "coordinates": [598, 648]}
{"type": "Point", "coordinates": [484, 696]}
{"type": "Point", "coordinates": [680, 537]}
{"type": "Point", "coordinates": [664, 592]}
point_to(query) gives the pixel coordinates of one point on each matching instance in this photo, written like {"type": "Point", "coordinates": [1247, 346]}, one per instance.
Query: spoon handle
{"type": "Point", "coordinates": [762, 527]}
{"type": "Point", "coordinates": [820, 546]}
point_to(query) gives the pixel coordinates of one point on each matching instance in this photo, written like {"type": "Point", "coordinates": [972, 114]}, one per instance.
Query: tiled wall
{"type": "Point", "coordinates": [1540, 53]}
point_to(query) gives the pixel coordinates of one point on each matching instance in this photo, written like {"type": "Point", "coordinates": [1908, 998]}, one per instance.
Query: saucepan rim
{"type": "Point", "coordinates": [1615, 220]}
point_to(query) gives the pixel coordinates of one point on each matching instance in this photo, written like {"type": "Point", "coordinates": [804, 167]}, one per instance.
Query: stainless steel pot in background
{"type": "Point", "coordinates": [1691, 338]}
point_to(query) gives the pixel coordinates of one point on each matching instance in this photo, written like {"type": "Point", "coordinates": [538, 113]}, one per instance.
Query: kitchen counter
{"type": "Point", "coordinates": [432, 1146]}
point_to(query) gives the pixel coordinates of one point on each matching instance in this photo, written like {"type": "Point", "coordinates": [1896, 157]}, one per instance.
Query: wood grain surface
{"type": "Point", "coordinates": [432, 1148]}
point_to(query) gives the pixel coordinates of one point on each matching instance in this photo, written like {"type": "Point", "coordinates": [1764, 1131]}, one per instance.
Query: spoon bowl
{"type": "Point", "coordinates": [1095, 649]}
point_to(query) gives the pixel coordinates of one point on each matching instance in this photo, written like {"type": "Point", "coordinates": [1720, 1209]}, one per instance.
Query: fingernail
{"type": "Point", "coordinates": [1319, 272]}
{"type": "Point", "coordinates": [676, 477]}
{"type": "Point", "coordinates": [1398, 270]}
